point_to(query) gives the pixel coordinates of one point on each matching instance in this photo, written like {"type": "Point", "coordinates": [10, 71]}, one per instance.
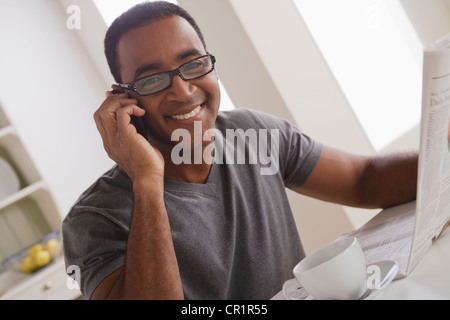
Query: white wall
{"type": "Point", "coordinates": [50, 88]}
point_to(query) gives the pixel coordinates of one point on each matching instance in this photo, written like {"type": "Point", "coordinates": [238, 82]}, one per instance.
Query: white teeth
{"type": "Point", "coordinates": [187, 115]}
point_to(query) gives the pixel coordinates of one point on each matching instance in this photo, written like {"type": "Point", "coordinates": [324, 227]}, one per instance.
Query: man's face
{"type": "Point", "coordinates": [164, 45]}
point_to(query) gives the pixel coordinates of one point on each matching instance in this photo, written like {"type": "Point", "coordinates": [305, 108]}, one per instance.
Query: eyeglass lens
{"type": "Point", "coordinates": [190, 70]}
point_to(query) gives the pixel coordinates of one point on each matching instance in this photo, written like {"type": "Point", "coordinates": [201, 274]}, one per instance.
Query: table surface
{"type": "Point", "coordinates": [429, 280]}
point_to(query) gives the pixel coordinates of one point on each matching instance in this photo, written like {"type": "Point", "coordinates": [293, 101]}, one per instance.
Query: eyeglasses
{"type": "Point", "coordinates": [158, 82]}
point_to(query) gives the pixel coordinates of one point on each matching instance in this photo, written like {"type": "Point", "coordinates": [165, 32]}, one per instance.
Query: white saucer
{"type": "Point", "coordinates": [388, 271]}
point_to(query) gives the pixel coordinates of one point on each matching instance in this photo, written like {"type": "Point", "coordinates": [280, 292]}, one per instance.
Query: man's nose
{"type": "Point", "coordinates": [180, 89]}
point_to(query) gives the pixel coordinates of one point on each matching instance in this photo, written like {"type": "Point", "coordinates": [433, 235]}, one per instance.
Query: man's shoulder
{"type": "Point", "coordinates": [110, 189]}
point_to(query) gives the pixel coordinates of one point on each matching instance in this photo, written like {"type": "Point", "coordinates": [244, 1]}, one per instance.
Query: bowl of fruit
{"type": "Point", "coordinates": [37, 255]}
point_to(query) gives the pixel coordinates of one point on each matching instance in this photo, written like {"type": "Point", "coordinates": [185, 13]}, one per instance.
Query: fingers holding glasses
{"type": "Point", "coordinates": [123, 118]}
{"type": "Point", "coordinates": [114, 113]}
{"type": "Point", "coordinates": [108, 110]}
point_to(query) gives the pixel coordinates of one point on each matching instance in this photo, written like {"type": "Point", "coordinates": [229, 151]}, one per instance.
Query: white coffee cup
{"type": "Point", "coordinates": [334, 272]}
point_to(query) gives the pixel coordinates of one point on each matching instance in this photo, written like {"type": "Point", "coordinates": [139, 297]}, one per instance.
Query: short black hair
{"type": "Point", "coordinates": [137, 16]}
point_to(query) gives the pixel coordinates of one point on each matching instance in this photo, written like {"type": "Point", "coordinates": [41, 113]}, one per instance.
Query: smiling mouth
{"type": "Point", "coordinates": [188, 115]}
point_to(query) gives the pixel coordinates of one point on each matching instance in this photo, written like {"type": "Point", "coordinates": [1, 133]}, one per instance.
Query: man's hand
{"type": "Point", "coordinates": [123, 144]}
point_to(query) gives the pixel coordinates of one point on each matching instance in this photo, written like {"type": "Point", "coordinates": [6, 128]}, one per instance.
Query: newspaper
{"type": "Point", "coordinates": [405, 233]}
{"type": "Point", "coordinates": [388, 236]}
{"type": "Point", "coordinates": [433, 206]}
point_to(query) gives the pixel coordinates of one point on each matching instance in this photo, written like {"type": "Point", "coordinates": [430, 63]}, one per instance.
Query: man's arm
{"type": "Point", "coordinates": [151, 269]}
{"type": "Point", "coordinates": [366, 182]}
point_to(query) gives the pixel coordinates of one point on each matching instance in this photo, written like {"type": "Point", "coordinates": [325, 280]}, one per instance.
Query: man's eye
{"type": "Point", "coordinates": [193, 65]}
{"type": "Point", "coordinates": [152, 81]}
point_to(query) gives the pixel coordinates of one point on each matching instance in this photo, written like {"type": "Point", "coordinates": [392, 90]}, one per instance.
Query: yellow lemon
{"type": "Point", "coordinates": [35, 249]}
{"type": "Point", "coordinates": [27, 265]}
{"type": "Point", "coordinates": [41, 258]}
{"type": "Point", "coordinates": [52, 246]}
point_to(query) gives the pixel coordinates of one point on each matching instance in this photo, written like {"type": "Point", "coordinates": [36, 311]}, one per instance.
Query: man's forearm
{"type": "Point", "coordinates": [151, 270]}
{"type": "Point", "coordinates": [391, 180]}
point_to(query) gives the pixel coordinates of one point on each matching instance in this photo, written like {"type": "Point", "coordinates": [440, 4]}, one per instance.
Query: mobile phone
{"type": "Point", "coordinates": [138, 122]}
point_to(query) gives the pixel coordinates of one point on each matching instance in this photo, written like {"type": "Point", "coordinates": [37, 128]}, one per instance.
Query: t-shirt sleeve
{"type": "Point", "coordinates": [298, 153]}
{"type": "Point", "coordinates": [301, 156]}
{"type": "Point", "coordinates": [95, 244]}
{"type": "Point", "coordinates": [95, 232]}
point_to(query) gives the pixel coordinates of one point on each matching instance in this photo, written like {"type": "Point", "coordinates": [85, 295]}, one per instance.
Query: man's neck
{"type": "Point", "coordinates": [193, 173]}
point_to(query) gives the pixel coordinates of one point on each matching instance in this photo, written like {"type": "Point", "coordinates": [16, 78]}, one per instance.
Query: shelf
{"type": "Point", "coordinates": [24, 222]}
{"type": "Point", "coordinates": [5, 131]}
{"type": "Point", "coordinates": [21, 194]}
{"type": "Point", "coordinates": [12, 150]}
{"type": "Point", "coordinates": [3, 119]}
{"type": "Point", "coordinates": [48, 283]}
{"type": "Point", "coordinates": [25, 217]}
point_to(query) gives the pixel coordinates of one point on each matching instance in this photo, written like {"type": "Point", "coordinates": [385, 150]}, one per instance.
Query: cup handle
{"type": "Point", "coordinates": [290, 283]}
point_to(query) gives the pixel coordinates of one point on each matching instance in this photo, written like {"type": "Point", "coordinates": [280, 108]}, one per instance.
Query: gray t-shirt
{"type": "Point", "coordinates": [234, 236]}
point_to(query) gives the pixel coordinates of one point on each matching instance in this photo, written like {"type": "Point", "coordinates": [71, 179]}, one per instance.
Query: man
{"type": "Point", "coordinates": [155, 228]}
